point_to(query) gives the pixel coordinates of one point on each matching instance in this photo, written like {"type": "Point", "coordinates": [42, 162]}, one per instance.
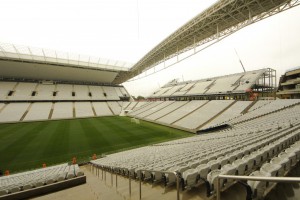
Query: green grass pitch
{"type": "Point", "coordinates": [26, 146]}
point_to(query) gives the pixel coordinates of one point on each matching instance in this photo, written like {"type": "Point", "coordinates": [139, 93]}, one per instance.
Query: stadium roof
{"type": "Point", "coordinates": [215, 23]}
{"type": "Point", "coordinates": [26, 62]}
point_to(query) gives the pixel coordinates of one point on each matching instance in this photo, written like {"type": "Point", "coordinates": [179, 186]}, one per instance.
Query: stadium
{"type": "Point", "coordinates": [70, 127]}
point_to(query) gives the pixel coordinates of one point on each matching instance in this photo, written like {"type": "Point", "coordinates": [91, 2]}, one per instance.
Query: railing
{"type": "Point", "coordinates": [95, 169]}
{"type": "Point", "coordinates": [164, 172]}
{"type": "Point", "coordinates": [253, 178]}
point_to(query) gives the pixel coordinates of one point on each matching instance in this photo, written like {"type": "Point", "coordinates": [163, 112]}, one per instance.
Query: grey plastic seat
{"type": "Point", "coordinates": [284, 162]}
{"type": "Point", "coordinates": [147, 174]}
{"type": "Point", "coordinates": [291, 156]}
{"type": "Point", "coordinates": [158, 176]}
{"type": "Point", "coordinates": [213, 164]}
{"type": "Point", "coordinates": [241, 166]}
{"type": "Point", "coordinates": [272, 168]}
{"type": "Point", "coordinates": [3, 192]}
{"type": "Point", "coordinates": [190, 177]}
{"type": "Point", "coordinates": [258, 187]}
{"type": "Point", "coordinates": [223, 160]}
{"type": "Point", "coordinates": [27, 186]}
{"type": "Point", "coordinates": [212, 179]}
{"type": "Point", "coordinates": [203, 170]}
{"type": "Point", "coordinates": [14, 189]}
{"type": "Point", "coordinates": [229, 169]}
{"type": "Point", "coordinates": [250, 161]}
{"type": "Point", "coordinates": [295, 150]}
{"type": "Point", "coordinates": [193, 164]}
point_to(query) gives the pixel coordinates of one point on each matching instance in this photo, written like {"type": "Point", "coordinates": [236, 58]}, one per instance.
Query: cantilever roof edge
{"type": "Point", "coordinates": [45, 56]}
{"type": "Point", "coordinates": [216, 22]}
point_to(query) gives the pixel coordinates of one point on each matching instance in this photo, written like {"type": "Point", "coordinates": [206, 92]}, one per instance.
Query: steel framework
{"type": "Point", "coordinates": [214, 24]}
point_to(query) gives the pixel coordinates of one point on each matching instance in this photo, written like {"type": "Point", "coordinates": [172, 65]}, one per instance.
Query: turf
{"type": "Point", "coordinates": [26, 146]}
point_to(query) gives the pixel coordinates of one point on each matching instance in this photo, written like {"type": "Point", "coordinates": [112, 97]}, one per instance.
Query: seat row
{"type": "Point", "coordinates": [37, 178]}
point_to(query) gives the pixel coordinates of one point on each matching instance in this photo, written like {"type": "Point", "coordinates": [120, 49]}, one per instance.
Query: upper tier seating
{"type": "Point", "coordinates": [5, 88]}
{"type": "Point", "coordinates": [44, 92]}
{"type": "Point", "coordinates": [200, 87]}
{"type": "Point", "coordinates": [81, 92]}
{"type": "Point", "coordinates": [234, 83]}
{"type": "Point", "coordinates": [110, 93]}
{"type": "Point", "coordinates": [183, 90]}
{"type": "Point", "coordinates": [224, 84]}
{"type": "Point", "coordinates": [64, 92]}
{"type": "Point", "coordinates": [24, 91]}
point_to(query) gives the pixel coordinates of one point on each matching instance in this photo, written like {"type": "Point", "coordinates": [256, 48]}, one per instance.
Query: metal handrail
{"type": "Point", "coordinates": [254, 178]}
{"type": "Point", "coordinates": [164, 172]}
{"type": "Point", "coordinates": [139, 172]}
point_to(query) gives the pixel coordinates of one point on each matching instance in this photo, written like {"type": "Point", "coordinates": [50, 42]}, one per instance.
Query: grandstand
{"type": "Point", "coordinates": [241, 86]}
{"type": "Point", "coordinates": [235, 124]}
{"type": "Point", "coordinates": [289, 87]}
{"type": "Point", "coordinates": [269, 148]}
{"type": "Point", "coordinates": [57, 93]}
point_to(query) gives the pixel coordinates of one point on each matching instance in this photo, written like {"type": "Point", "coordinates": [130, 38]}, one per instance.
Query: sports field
{"type": "Point", "coordinates": [28, 145]}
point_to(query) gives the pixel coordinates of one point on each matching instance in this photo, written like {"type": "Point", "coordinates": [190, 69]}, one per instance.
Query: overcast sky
{"type": "Point", "coordinates": [127, 29]}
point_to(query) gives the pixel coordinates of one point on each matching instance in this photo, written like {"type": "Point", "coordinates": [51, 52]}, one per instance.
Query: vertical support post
{"type": "Point", "coordinates": [194, 44]}
{"type": "Point", "coordinates": [102, 174]}
{"type": "Point", "coordinates": [218, 32]}
{"type": "Point", "coordinates": [105, 176]}
{"type": "Point", "coordinates": [116, 181]}
{"type": "Point", "coordinates": [177, 54]}
{"type": "Point", "coordinates": [140, 183]}
{"type": "Point", "coordinates": [164, 60]}
{"type": "Point", "coordinates": [177, 185]}
{"type": "Point", "coordinates": [250, 17]}
{"type": "Point", "coordinates": [111, 178]}
{"type": "Point", "coordinates": [129, 184]}
{"type": "Point", "coordinates": [218, 189]}
{"type": "Point", "coordinates": [270, 77]}
{"type": "Point", "coordinates": [275, 83]}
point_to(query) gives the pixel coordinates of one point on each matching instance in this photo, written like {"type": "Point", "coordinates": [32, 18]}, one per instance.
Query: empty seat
{"type": "Point", "coordinates": [3, 192]}
{"type": "Point", "coordinates": [284, 162]}
{"type": "Point", "coordinates": [258, 187]}
{"type": "Point", "coordinates": [291, 156]}
{"type": "Point", "coordinates": [190, 177]}
{"type": "Point", "coordinates": [214, 164]}
{"type": "Point", "coordinates": [271, 168]}
{"type": "Point", "coordinates": [241, 166]}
